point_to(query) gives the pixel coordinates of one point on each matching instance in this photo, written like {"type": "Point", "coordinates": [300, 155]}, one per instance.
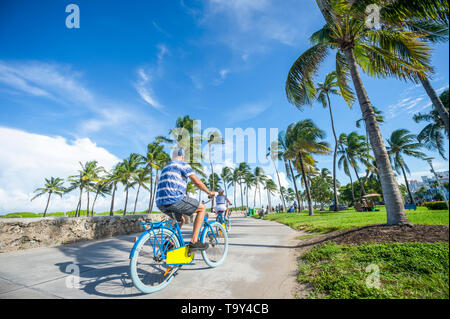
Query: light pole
{"type": "Point", "coordinates": [430, 161]}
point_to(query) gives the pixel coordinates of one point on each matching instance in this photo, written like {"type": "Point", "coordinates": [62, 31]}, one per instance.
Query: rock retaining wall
{"type": "Point", "coordinates": [23, 233]}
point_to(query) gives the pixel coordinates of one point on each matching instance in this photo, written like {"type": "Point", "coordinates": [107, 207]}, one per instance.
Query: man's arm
{"type": "Point", "coordinates": [197, 182]}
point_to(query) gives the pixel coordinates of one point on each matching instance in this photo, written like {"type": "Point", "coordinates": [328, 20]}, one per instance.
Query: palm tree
{"type": "Point", "coordinates": [324, 89]}
{"type": "Point", "coordinates": [432, 136]}
{"type": "Point", "coordinates": [273, 152]}
{"type": "Point", "coordinates": [344, 162]}
{"type": "Point", "coordinates": [258, 178]}
{"type": "Point", "coordinates": [355, 149]}
{"type": "Point", "coordinates": [283, 150]}
{"type": "Point", "coordinates": [114, 177]}
{"type": "Point", "coordinates": [101, 187]}
{"type": "Point", "coordinates": [357, 45]}
{"type": "Point", "coordinates": [128, 173]}
{"type": "Point", "coordinates": [213, 138]}
{"type": "Point", "coordinates": [51, 186]}
{"type": "Point", "coordinates": [227, 178]}
{"type": "Point", "coordinates": [90, 173]}
{"type": "Point", "coordinates": [187, 136]}
{"type": "Point", "coordinates": [141, 178]}
{"type": "Point", "coordinates": [190, 188]}
{"type": "Point", "coordinates": [303, 140]}
{"type": "Point", "coordinates": [429, 19]}
{"type": "Point", "coordinates": [271, 188]}
{"type": "Point", "coordinates": [243, 171]}
{"type": "Point", "coordinates": [161, 160]}
{"type": "Point", "coordinates": [154, 151]}
{"type": "Point", "coordinates": [402, 142]}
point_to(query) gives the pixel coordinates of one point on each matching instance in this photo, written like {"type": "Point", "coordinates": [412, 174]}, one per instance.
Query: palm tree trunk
{"type": "Point", "coordinates": [353, 190]}
{"type": "Point", "coordinates": [78, 213]}
{"type": "Point", "coordinates": [154, 191]}
{"type": "Point", "coordinates": [336, 204]}
{"type": "Point", "coordinates": [111, 210]}
{"type": "Point", "coordinates": [126, 200]}
{"type": "Point", "coordinates": [242, 196]}
{"type": "Point", "coordinates": [279, 185]}
{"type": "Point", "coordinates": [308, 193]}
{"type": "Point", "coordinates": [407, 185]}
{"type": "Point", "coordinates": [361, 185]}
{"type": "Point", "coordinates": [212, 175]}
{"type": "Point", "coordinates": [150, 192]}
{"type": "Point", "coordinates": [437, 103]}
{"type": "Point", "coordinates": [93, 203]}
{"type": "Point", "coordinates": [48, 201]}
{"type": "Point", "coordinates": [135, 201]}
{"type": "Point", "coordinates": [87, 207]}
{"type": "Point", "coordinates": [234, 194]}
{"type": "Point", "coordinates": [391, 193]}
{"type": "Point", "coordinates": [295, 183]}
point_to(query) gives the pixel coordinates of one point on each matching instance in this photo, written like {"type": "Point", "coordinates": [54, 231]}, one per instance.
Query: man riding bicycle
{"type": "Point", "coordinates": [171, 196]}
{"type": "Point", "coordinates": [221, 203]}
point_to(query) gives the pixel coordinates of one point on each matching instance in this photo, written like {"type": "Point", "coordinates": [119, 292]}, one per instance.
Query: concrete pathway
{"type": "Point", "coordinates": [261, 263]}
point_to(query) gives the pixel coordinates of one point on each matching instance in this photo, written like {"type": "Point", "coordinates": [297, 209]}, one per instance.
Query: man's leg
{"type": "Point", "coordinates": [201, 211]}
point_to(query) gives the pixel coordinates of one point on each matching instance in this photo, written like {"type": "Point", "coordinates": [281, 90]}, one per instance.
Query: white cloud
{"type": "Point", "coordinates": [28, 158]}
{"type": "Point", "coordinates": [246, 111]}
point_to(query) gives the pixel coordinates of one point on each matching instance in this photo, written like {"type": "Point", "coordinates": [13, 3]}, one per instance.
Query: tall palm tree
{"type": "Point", "coordinates": [324, 89]}
{"type": "Point", "coordinates": [213, 138]}
{"type": "Point", "coordinates": [161, 160]}
{"type": "Point", "coordinates": [187, 136]}
{"type": "Point", "coordinates": [273, 152]}
{"type": "Point", "coordinates": [359, 46]}
{"type": "Point", "coordinates": [356, 151]}
{"type": "Point", "coordinates": [344, 162]}
{"type": "Point", "coordinates": [432, 136]}
{"type": "Point", "coordinates": [141, 178]}
{"type": "Point", "coordinates": [303, 140]}
{"type": "Point", "coordinates": [288, 156]}
{"type": "Point", "coordinates": [402, 142]}
{"type": "Point", "coordinates": [227, 178]}
{"type": "Point", "coordinates": [114, 177]}
{"type": "Point", "coordinates": [243, 171]}
{"type": "Point", "coordinates": [90, 174]}
{"type": "Point", "coordinates": [128, 173]}
{"type": "Point", "coordinates": [150, 160]}
{"type": "Point", "coordinates": [51, 186]}
{"type": "Point", "coordinates": [430, 20]}
{"type": "Point", "coordinates": [259, 178]}
{"type": "Point", "coordinates": [271, 188]}
{"type": "Point", "coordinates": [101, 187]}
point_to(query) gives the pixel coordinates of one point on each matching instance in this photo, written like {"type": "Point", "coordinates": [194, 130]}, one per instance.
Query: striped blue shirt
{"type": "Point", "coordinates": [172, 183]}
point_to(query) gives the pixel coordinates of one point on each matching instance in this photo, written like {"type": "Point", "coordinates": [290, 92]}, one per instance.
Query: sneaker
{"type": "Point", "coordinates": [197, 246]}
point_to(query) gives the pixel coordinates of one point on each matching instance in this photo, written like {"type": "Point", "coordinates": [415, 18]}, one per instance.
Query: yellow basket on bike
{"type": "Point", "coordinates": [179, 256]}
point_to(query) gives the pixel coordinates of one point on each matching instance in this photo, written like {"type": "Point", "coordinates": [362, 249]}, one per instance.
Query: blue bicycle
{"type": "Point", "coordinates": [224, 220]}
{"type": "Point", "coordinates": [160, 251]}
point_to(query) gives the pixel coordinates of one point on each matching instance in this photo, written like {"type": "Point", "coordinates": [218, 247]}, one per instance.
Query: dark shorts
{"type": "Point", "coordinates": [186, 206]}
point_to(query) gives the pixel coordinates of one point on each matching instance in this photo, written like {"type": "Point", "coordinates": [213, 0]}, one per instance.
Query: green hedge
{"type": "Point", "coordinates": [436, 205]}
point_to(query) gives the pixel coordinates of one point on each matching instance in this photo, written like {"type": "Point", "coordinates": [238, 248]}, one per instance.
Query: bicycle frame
{"type": "Point", "coordinates": [158, 244]}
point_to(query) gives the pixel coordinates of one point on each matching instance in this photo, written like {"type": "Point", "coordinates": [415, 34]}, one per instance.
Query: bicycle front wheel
{"type": "Point", "coordinates": [228, 223]}
{"type": "Point", "coordinates": [148, 269]}
{"type": "Point", "coordinates": [216, 236]}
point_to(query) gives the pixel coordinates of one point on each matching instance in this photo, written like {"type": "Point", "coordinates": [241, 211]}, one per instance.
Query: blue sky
{"type": "Point", "coordinates": [108, 88]}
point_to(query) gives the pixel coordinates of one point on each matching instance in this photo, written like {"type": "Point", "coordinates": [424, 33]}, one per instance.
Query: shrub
{"type": "Point", "coordinates": [436, 205]}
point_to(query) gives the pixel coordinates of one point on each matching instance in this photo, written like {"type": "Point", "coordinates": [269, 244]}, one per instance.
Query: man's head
{"type": "Point", "coordinates": [220, 191]}
{"type": "Point", "coordinates": [178, 154]}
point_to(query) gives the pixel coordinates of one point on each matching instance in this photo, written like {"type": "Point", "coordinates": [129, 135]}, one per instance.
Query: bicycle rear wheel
{"type": "Point", "coordinates": [217, 238]}
{"type": "Point", "coordinates": [148, 269]}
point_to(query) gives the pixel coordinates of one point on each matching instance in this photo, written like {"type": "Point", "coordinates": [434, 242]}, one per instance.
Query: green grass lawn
{"type": "Point", "coordinates": [407, 270]}
{"type": "Point", "coordinates": [325, 222]}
